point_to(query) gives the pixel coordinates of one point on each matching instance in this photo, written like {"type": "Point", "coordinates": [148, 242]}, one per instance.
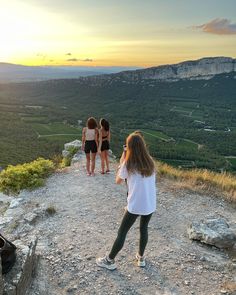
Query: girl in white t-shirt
{"type": "Point", "coordinates": [139, 169]}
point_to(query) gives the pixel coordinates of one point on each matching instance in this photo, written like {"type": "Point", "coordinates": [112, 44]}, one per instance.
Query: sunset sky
{"type": "Point", "coordinates": [115, 32]}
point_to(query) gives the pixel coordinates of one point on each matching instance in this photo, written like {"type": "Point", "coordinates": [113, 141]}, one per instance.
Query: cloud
{"type": "Point", "coordinates": [72, 59]}
{"type": "Point", "coordinates": [68, 53]}
{"type": "Point", "coordinates": [87, 59]}
{"type": "Point", "coordinates": [218, 26]}
{"type": "Point", "coordinates": [76, 59]}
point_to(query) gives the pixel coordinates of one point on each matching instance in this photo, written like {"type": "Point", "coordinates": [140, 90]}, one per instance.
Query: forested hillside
{"type": "Point", "coordinates": [186, 123]}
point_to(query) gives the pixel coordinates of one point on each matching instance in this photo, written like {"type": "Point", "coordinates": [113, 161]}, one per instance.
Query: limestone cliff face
{"type": "Point", "coordinates": [204, 68]}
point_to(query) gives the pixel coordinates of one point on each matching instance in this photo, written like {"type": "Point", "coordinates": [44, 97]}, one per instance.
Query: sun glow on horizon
{"type": "Point", "coordinates": [37, 38]}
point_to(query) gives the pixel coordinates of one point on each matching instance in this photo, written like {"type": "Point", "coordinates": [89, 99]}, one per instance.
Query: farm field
{"type": "Point", "coordinates": [157, 134]}
{"type": "Point", "coordinates": [61, 139]}
{"type": "Point", "coordinates": [54, 129]}
{"type": "Point", "coordinates": [33, 119]}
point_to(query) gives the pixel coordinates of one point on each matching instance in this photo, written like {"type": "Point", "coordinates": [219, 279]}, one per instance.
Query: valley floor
{"type": "Point", "coordinates": [89, 211]}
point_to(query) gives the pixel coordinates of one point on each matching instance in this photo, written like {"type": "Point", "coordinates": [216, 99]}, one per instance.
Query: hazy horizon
{"type": "Point", "coordinates": [110, 66]}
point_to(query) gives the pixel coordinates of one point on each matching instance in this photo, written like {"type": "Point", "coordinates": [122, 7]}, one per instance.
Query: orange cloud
{"type": "Point", "coordinates": [218, 26]}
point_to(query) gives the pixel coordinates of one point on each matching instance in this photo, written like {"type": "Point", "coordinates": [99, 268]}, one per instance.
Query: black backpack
{"type": "Point", "coordinates": [7, 253]}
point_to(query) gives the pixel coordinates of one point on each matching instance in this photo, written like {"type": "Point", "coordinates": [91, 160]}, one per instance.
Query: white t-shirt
{"type": "Point", "coordinates": [141, 192]}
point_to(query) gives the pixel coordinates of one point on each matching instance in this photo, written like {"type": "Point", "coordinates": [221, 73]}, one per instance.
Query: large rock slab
{"type": "Point", "coordinates": [74, 144]}
{"type": "Point", "coordinates": [214, 231]}
{"type": "Point", "coordinates": [19, 278]}
{"type": "Point", "coordinates": [68, 146]}
{"type": "Point", "coordinates": [76, 158]}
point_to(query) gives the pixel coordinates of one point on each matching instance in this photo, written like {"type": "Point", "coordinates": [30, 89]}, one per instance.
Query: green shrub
{"type": "Point", "coordinates": [57, 160]}
{"type": "Point", "coordinates": [66, 162]}
{"type": "Point", "coordinates": [29, 175]}
{"type": "Point", "coordinates": [73, 150]}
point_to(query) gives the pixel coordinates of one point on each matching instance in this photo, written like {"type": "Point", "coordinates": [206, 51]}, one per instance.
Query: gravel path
{"type": "Point", "coordinates": [89, 211]}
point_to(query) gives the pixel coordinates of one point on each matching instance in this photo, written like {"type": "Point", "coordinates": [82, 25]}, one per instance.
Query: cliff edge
{"type": "Point", "coordinates": [88, 214]}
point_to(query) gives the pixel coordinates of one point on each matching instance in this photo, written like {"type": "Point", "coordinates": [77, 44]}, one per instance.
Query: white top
{"type": "Point", "coordinates": [141, 191]}
{"type": "Point", "coordinates": [90, 134]}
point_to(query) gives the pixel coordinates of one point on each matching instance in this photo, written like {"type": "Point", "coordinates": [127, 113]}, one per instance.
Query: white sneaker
{"type": "Point", "coordinates": [106, 263]}
{"type": "Point", "coordinates": [140, 260]}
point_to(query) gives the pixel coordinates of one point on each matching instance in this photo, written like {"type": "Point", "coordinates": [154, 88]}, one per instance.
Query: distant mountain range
{"type": "Point", "coordinates": [19, 73]}
{"type": "Point", "coordinates": [202, 69]}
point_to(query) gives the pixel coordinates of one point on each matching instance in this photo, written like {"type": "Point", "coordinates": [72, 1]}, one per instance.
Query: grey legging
{"type": "Point", "coordinates": [127, 222]}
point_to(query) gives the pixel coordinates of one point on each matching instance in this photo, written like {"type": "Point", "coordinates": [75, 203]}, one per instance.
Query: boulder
{"type": "Point", "coordinates": [19, 278]}
{"type": "Point", "coordinates": [76, 158]}
{"type": "Point", "coordinates": [4, 221]}
{"type": "Point", "coordinates": [214, 231]}
{"type": "Point", "coordinates": [65, 153]}
{"type": "Point", "coordinates": [15, 203]}
{"type": "Point", "coordinates": [76, 143]}
{"type": "Point", "coordinates": [30, 217]}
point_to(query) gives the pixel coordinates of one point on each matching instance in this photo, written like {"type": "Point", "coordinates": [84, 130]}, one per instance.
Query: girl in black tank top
{"type": "Point", "coordinates": [104, 145]}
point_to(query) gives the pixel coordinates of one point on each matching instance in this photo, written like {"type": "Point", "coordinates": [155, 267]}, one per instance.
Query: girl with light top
{"type": "Point", "coordinates": [137, 166]}
{"type": "Point", "coordinates": [90, 144]}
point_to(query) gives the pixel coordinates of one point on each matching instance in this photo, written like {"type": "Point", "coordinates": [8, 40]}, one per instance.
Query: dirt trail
{"type": "Point", "coordinates": [89, 210]}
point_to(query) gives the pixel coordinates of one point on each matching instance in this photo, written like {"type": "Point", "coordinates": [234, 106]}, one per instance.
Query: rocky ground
{"type": "Point", "coordinates": [88, 214]}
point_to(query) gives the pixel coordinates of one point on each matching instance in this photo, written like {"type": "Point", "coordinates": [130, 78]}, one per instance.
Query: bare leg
{"type": "Point", "coordinates": [93, 162]}
{"type": "Point", "coordinates": [88, 163]}
{"type": "Point", "coordinates": [103, 161]}
{"type": "Point", "coordinates": [107, 160]}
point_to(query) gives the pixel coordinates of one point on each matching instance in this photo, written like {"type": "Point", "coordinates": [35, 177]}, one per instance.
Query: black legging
{"type": "Point", "coordinates": [127, 221]}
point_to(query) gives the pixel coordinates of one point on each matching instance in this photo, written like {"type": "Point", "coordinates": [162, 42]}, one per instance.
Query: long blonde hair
{"type": "Point", "coordinates": [138, 159]}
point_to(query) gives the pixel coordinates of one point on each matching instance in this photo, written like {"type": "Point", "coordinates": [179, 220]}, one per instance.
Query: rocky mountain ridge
{"type": "Point", "coordinates": [204, 69]}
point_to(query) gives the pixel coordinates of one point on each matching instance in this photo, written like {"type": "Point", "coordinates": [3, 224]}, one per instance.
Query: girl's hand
{"type": "Point", "coordinates": [82, 147]}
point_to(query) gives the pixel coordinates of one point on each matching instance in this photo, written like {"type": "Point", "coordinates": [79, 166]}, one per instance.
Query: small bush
{"type": "Point", "coordinates": [51, 210]}
{"type": "Point", "coordinates": [67, 160]}
{"type": "Point", "coordinates": [57, 160]}
{"type": "Point", "coordinates": [29, 175]}
{"type": "Point", "coordinates": [73, 150]}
